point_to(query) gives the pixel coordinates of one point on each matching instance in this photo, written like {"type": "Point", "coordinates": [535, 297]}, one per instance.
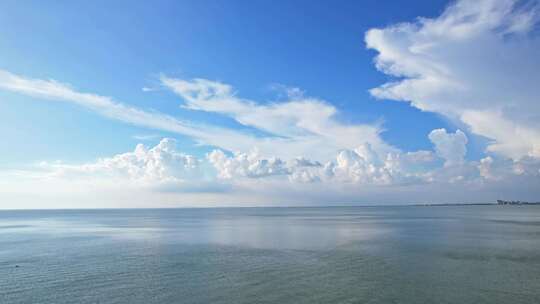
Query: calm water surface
{"type": "Point", "coordinates": [463, 254]}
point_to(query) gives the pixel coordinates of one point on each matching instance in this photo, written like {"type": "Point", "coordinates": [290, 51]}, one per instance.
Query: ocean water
{"type": "Point", "coordinates": [451, 254]}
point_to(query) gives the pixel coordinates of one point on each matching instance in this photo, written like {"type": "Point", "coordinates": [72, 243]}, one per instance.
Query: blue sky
{"type": "Point", "coordinates": [260, 49]}
{"type": "Point", "coordinates": [118, 48]}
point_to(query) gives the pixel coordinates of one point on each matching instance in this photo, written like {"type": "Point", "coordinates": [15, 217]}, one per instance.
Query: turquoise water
{"type": "Point", "coordinates": [458, 254]}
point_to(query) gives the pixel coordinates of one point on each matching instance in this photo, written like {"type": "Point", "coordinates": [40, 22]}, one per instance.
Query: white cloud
{"type": "Point", "coordinates": [477, 62]}
{"type": "Point", "coordinates": [246, 165]}
{"type": "Point", "coordinates": [253, 165]}
{"type": "Point", "coordinates": [167, 176]}
{"type": "Point", "coordinates": [364, 166]}
{"type": "Point", "coordinates": [103, 105]}
{"type": "Point", "coordinates": [146, 136]}
{"type": "Point", "coordinates": [301, 125]}
{"type": "Point", "coordinates": [507, 176]}
{"type": "Point", "coordinates": [148, 89]}
{"type": "Point", "coordinates": [304, 132]}
{"type": "Point", "coordinates": [162, 163]}
{"type": "Point", "coordinates": [421, 156]}
{"type": "Point", "coordinates": [361, 166]}
{"type": "Point", "coordinates": [485, 168]}
{"type": "Point", "coordinates": [165, 167]}
{"type": "Point", "coordinates": [451, 147]}
{"type": "Point", "coordinates": [297, 127]}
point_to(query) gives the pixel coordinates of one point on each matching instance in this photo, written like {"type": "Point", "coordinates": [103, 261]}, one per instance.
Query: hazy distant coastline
{"type": "Point", "coordinates": [499, 202]}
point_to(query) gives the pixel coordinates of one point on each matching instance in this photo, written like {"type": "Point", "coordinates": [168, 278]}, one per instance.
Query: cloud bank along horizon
{"type": "Point", "coordinates": [476, 64]}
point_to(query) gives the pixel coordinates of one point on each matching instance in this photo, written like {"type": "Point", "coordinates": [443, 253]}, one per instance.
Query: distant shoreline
{"type": "Point", "coordinates": [498, 203]}
{"type": "Point", "coordinates": [504, 203]}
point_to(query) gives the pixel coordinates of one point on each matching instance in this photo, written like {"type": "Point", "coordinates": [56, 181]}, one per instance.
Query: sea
{"type": "Point", "coordinates": [407, 254]}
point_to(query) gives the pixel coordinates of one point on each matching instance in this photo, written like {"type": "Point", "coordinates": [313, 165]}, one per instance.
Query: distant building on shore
{"type": "Point", "coordinates": [503, 202]}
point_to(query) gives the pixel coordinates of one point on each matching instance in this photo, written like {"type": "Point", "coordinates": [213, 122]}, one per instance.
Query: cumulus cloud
{"type": "Point", "coordinates": [421, 156]}
{"type": "Point", "coordinates": [485, 168]}
{"type": "Point", "coordinates": [246, 165]}
{"type": "Point", "coordinates": [362, 166]}
{"type": "Point", "coordinates": [253, 165]}
{"type": "Point", "coordinates": [161, 163]}
{"type": "Point", "coordinates": [477, 63]}
{"type": "Point", "coordinates": [451, 147]}
{"type": "Point", "coordinates": [165, 167]}
{"type": "Point", "coordinates": [352, 175]}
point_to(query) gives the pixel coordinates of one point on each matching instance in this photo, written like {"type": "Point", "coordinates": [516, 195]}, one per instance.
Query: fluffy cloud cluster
{"type": "Point", "coordinates": [503, 169]}
{"type": "Point", "coordinates": [161, 163]}
{"type": "Point", "coordinates": [358, 174]}
{"type": "Point", "coordinates": [362, 165]}
{"type": "Point", "coordinates": [253, 165]}
{"type": "Point", "coordinates": [246, 165]}
{"type": "Point", "coordinates": [476, 63]}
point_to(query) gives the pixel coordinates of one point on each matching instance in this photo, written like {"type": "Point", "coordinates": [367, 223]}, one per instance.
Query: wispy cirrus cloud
{"type": "Point", "coordinates": [146, 136]}
{"type": "Point", "coordinates": [228, 139]}
{"type": "Point", "coordinates": [301, 126]}
{"type": "Point", "coordinates": [103, 105]}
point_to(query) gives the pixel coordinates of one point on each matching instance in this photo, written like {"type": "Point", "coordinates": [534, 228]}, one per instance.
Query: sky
{"type": "Point", "coordinates": [130, 104]}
